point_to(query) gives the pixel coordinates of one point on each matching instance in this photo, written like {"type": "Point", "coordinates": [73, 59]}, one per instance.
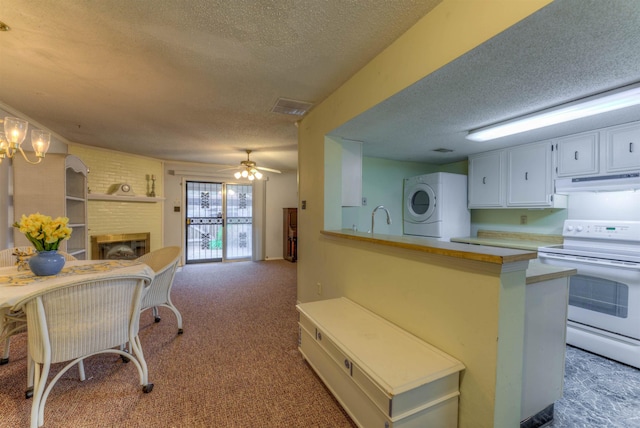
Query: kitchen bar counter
{"type": "Point", "coordinates": [515, 240]}
{"type": "Point", "coordinates": [494, 255]}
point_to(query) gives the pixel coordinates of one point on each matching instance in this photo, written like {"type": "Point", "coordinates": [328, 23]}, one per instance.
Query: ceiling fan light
{"type": "Point", "coordinates": [245, 173]}
{"type": "Point", "coordinates": [237, 175]}
{"type": "Point", "coordinates": [251, 177]}
{"type": "Point", "coordinates": [258, 175]}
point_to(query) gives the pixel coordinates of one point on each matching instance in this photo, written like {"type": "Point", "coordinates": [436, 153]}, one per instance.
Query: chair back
{"type": "Point", "coordinates": [84, 317]}
{"type": "Point", "coordinates": [164, 263]}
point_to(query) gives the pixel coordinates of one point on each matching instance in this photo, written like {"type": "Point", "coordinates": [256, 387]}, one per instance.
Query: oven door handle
{"type": "Point", "coordinates": [593, 261]}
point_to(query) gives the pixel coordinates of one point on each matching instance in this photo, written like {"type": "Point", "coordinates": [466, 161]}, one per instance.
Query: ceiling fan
{"type": "Point", "coordinates": [250, 170]}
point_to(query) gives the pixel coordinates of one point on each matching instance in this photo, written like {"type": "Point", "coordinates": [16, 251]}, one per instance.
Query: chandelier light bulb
{"type": "Point", "coordinates": [237, 175]}
{"type": "Point", "coordinates": [245, 173]}
{"type": "Point", "coordinates": [258, 175]}
{"type": "Point", "coordinates": [40, 141]}
{"type": "Point", "coordinates": [4, 147]}
{"type": "Point", "coordinates": [15, 130]}
{"type": "Point", "coordinates": [251, 177]}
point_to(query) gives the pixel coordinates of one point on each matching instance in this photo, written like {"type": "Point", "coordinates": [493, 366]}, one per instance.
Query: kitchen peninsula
{"type": "Point", "coordinates": [478, 304]}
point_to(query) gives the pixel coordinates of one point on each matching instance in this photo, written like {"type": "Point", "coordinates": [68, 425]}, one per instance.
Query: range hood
{"type": "Point", "coordinates": [602, 183]}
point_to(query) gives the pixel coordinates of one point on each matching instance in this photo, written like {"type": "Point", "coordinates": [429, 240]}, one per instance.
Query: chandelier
{"type": "Point", "coordinates": [15, 131]}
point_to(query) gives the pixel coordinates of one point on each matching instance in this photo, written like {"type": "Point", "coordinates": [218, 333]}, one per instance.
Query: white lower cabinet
{"type": "Point", "coordinates": [383, 376]}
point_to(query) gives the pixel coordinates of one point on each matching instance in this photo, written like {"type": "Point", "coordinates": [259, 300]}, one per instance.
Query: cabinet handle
{"type": "Point", "coordinates": [484, 180]}
{"type": "Point", "coordinates": [526, 175]}
{"type": "Point", "coordinates": [630, 147]}
{"type": "Point", "coordinates": [319, 336]}
{"type": "Point", "coordinates": [575, 155]}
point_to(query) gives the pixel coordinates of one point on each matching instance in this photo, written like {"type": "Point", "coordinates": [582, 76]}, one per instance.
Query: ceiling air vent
{"type": "Point", "coordinates": [292, 107]}
{"type": "Point", "coordinates": [443, 150]}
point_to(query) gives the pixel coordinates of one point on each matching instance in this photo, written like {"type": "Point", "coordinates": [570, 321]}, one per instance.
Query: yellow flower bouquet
{"type": "Point", "coordinates": [43, 232]}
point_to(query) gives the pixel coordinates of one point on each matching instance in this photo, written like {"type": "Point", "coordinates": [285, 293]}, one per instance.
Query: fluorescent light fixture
{"type": "Point", "coordinates": [576, 110]}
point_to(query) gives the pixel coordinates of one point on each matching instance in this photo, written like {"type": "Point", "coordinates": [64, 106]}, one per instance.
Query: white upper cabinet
{"type": "Point", "coordinates": [486, 180]}
{"type": "Point", "coordinates": [351, 173]}
{"type": "Point", "coordinates": [578, 155]}
{"type": "Point", "coordinates": [529, 180]}
{"type": "Point", "coordinates": [623, 148]}
{"type": "Point", "coordinates": [517, 177]}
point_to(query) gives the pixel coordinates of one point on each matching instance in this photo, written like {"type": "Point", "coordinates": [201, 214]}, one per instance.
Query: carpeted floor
{"type": "Point", "coordinates": [236, 365]}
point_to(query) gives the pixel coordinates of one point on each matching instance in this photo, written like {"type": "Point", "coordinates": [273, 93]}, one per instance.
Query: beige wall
{"type": "Point", "coordinates": [471, 312]}
{"type": "Point", "coordinates": [108, 167]}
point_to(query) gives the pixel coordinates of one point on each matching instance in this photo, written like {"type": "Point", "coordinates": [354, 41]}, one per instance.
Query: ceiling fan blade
{"type": "Point", "coordinates": [269, 169]}
{"type": "Point", "coordinates": [228, 169]}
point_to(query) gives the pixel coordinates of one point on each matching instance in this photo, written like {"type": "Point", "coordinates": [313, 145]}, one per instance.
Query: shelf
{"type": "Point", "coordinates": [105, 197]}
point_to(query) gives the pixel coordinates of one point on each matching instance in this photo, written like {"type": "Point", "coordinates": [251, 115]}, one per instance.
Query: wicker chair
{"type": "Point", "coordinates": [164, 263]}
{"type": "Point", "coordinates": [73, 321]}
{"type": "Point", "coordinates": [15, 322]}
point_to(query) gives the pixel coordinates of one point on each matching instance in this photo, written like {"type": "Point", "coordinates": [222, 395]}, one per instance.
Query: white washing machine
{"type": "Point", "coordinates": [435, 205]}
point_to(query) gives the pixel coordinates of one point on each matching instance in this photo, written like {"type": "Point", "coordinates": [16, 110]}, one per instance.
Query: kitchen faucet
{"type": "Point", "coordinates": [373, 216]}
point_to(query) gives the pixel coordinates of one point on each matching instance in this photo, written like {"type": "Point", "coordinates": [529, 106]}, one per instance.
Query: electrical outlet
{"type": "Point", "coordinates": [523, 219]}
{"type": "Point", "coordinates": [319, 290]}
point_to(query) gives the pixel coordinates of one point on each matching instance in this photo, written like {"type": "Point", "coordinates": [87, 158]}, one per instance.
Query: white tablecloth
{"type": "Point", "coordinates": [15, 285]}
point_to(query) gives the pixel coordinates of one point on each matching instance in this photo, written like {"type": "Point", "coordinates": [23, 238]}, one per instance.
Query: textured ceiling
{"type": "Point", "coordinates": [188, 81]}
{"type": "Point", "coordinates": [568, 50]}
{"type": "Point", "coordinates": [195, 81]}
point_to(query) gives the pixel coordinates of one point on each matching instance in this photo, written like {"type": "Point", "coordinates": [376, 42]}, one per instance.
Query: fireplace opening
{"type": "Point", "coordinates": [124, 246]}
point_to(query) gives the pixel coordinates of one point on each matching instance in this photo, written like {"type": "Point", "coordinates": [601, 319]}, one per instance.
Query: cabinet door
{"type": "Point", "coordinates": [578, 155]}
{"type": "Point", "coordinates": [529, 175]}
{"type": "Point", "coordinates": [486, 182]}
{"type": "Point", "coordinates": [351, 173]}
{"type": "Point", "coordinates": [623, 148]}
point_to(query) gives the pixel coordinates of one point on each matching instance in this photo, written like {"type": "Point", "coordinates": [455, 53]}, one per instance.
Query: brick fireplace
{"type": "Point", "coordinates": [127, 246]}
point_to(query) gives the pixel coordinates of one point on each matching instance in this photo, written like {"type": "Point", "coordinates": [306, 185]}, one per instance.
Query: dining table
{"type": "Point", "coordinates": [17, 284]}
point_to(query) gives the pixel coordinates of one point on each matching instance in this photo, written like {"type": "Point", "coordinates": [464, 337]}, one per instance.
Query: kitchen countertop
{"type": "Point", "coordinates": [480, 253]}
{"type": "Point", "coordinates": [516, 240]}
{"type": "Point", "coordinates": [539, 272]}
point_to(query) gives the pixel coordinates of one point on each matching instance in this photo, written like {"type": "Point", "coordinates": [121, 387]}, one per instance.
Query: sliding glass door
{"type": "Point", "coordinates": [219, 222]}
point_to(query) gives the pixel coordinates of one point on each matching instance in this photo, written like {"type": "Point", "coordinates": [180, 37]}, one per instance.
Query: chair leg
{"type": "Point", "coordinates": [81, 370]}
{"type": "Point", "coordinates": [30, 376]}
{"type": "Point", "coordinates": [156, 316]}
{"type": "Point", "coordinates": [178, 318]}
{"type": "Point", "coordinates": [41, 373]}
{"type": "Point", "coordinates": [177, 313]}
{"type": "Point", "coordinates": [5, 355]}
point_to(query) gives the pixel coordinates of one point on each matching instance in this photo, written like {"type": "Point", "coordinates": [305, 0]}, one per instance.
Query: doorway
{"type": "Point", "coordinates": [219, 222]}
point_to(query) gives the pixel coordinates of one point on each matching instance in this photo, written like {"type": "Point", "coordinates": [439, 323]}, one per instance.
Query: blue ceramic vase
{"type": "Point", "coordinates": [46, 263]}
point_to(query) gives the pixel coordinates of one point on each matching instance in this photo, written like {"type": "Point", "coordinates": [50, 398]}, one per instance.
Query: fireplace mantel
{"type": "Point", "coordinates": [106, 197]}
